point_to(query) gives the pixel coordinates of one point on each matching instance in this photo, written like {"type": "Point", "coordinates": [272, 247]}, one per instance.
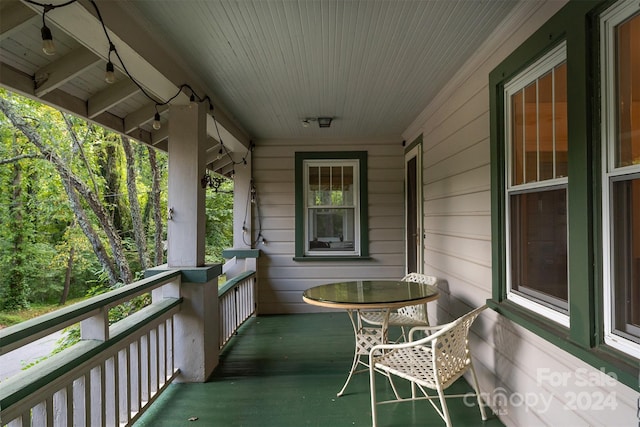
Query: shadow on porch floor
{"type": "Point", "coordinates": [285, 371]}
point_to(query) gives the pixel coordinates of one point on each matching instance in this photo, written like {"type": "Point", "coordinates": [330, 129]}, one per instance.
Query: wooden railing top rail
{"type": "Point", "coordinates": [229, 284]}
{"type": "Point", "coordinates": [72, 359]}
{"type": "Point", "coordinates": [30, 330]}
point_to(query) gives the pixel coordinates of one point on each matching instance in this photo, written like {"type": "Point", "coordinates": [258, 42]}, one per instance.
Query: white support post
{"type": "Point", "coordinates": [196, 331]}
{"type": "Point", "coordinates": [241, 203]}
{"type": "Point", "coordinates": [186, 198]}
{"type": "Point", "coordinates": [196, 325]}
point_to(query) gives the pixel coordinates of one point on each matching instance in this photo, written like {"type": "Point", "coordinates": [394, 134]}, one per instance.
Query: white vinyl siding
{"type": "Point", "coordinates": [281, 279]}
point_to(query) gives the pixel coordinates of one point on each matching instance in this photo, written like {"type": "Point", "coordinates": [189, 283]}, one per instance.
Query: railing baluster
{"type": "Point", "coordinates": [124, 406]}
{"type": "Point", "coordinates": [236, 305]}
{"type": "Point", "coordinates": [162, 354]}
{"type": "Point", "coordinates": [146, 360]}
{"type": "Point", "coordinates": [138, 374]}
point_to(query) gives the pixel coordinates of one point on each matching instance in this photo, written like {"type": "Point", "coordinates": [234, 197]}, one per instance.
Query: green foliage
{"type": "Point", "coordinates": [47, 228]}
{"type": "Point", "coordinates": [8, 319]}
{"type": "Point", "coordinates": [219, 226]}
{"type": "Point", "coordinates": [39, 228]}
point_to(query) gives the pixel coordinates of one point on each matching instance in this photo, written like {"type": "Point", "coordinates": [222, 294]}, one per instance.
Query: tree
{"type": "Point", "coordinates": [155, 206]}
{"type": "Point", "coordinates": [72, 194]}
{"type": "Point", "coordinates": [17, 297]}
{"type": "Point", "coordinates": [134, 205]}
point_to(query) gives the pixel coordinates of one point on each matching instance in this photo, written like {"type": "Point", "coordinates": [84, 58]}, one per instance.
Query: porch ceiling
{"type": "Point", "coordinates": [267, 65]}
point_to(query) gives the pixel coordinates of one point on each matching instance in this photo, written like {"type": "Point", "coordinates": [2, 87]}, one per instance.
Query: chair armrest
{"type": "Point", "coordinates": [425, 329]}
{"type": "Point", "coordinates": [441, 329]}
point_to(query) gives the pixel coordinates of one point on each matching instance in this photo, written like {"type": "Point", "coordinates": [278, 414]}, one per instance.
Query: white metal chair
{"type": "Point", "coordinates": [434, 362]}
{"type": "Point", "coordinates": [405, 317]}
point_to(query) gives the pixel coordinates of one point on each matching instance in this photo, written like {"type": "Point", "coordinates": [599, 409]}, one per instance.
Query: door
{"type": "Point", "coordinates": [413, 209]}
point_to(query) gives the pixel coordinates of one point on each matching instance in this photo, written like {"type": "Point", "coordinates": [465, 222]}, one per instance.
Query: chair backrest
{"type": "Point", "coordinates": [451, 353]}
{"type": "Point", "coordinates": [420, 278]}
{"type": "Point", "coordinates": [418, 312]}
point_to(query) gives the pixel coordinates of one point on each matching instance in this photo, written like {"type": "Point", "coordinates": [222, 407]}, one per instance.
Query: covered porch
{"type": "Point", "coordinates": [285, 370]}
{"type": "Point", "coordinates": [413, 93]}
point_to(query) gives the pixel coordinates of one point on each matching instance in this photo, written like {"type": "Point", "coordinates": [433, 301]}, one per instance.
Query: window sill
{"type": "Point", "coordinates": [615, 363]}
{"type": "Point", "coordinates": [331, 258]}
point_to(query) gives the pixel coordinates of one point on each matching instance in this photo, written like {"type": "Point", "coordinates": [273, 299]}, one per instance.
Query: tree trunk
{"type": "Point", "coordinates": [108, 166]}
{"type": "Point", "coordinates": [155, 202]}
{"type": "Point", "coordinates": [134, 205]}
{"type": "Point", "coordinates": [77, 146]}
{"type": "Point", "coordinates": [73, 181]}
{"type": "Point", "coordinates": [90, 233]}
{"type": "Point", "coordinates": [67, 277]}
{"type": "Point", "coordinates": [16, 298]}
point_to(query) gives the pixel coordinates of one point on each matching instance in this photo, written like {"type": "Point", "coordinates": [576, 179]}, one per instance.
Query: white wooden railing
{"type": "Point", "coordinates": [237, 298]}
{"type": "Point", "coordinates": [108, 378]}
{"type": "Point", "coordinates": [237, 302]}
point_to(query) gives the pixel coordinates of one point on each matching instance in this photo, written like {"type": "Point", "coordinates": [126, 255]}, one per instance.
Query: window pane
{"type": "Point", "coordinates": [560, 120]}
{"type": "Point", "coordinates": [538, 139]}
{"type": "Point", "coordinates": [531, 133]}
{"type": "Point", "coordinates": [628, 45]}
{"type": "Point", "coordinates": [539, 246]}
{"type": "Point", "coordinates": [517, 137]}
{"type": "Point", "coordinates": [325, 186]}
{"type": "Point", "coordinates": [545, 125]}
{"type": "Point", "coordinates": [331, 229]}
{"type": "Point", "coordinates": [347, 185]}
{"type": "Point", "coordinates": [626, 250]}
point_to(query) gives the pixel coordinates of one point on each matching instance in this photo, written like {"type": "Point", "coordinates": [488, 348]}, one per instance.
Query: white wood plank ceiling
{"type": "Point", "coordinates": [373, 65]}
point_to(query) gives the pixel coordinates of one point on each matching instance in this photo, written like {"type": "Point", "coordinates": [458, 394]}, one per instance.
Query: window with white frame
{"type": "Point", "coordinates": [536, 186]}
{"type": "Point", "coordinates": [620, 47]}
{"type": "Point", "coordinates": [331, 212]}
{"type": "Point", "coordinates": [331, 208]}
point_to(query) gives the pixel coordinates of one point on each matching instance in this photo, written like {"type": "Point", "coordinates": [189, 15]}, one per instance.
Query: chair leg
{"type": "Point", "coordinates": [443, 404]}
{"type": "Point", "coordinates": [476, 387]}
{"type": "Point", "coordinates": [372, 384]}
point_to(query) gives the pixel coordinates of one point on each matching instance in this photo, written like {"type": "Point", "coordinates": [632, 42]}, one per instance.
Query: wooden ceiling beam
{"type": "Point", "coordinates": [111, 96]}
{"type": "Point", "coordinates": [60, 71]}
{"type": "Point", "coordinates": [142, 116]}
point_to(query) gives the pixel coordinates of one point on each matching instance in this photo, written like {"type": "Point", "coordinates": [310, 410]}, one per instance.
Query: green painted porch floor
{"type": "Point", "coordinates": [285, 371]}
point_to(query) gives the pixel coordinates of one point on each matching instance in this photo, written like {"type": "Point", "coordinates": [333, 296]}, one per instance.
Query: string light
{"type": "Point", "coordinates": [156, 121]}
{"type": "Point", "coordinates": [109, 75]}
{"type": "Point", "coordinates": [48, 47]}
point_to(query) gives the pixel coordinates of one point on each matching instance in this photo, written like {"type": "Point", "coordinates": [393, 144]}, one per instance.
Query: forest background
{"type": "Point", "coordinates": [82, 209]}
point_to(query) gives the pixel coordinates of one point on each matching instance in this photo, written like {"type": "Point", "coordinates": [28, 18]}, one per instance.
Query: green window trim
{"type": "Point", "coordinates": [300, 157]}
{"type": "Point", "coordinates": [577, 23]}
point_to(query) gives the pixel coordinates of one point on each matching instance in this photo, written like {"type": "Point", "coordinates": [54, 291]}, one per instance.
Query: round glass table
{"type": "Point", "coordinates": [362, 295]}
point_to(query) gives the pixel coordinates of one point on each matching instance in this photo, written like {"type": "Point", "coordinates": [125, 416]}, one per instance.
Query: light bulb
{"type": "Point", "coordinates": [47, 41]}
{"type": "Point", "coordinates": [156, 121]}
{"type": "Point", "coordinates": [219, 156]}
{"type": "Point", "coordinates": [109, 75]}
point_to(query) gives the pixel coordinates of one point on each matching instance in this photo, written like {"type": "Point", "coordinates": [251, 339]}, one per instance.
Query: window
{"type": "Point", "coordinates": [536, 191]}
{"type": "Point", "coordinates": [620, 29]}
{"type": "Point", "coordinates": [330, 212]}
{"type": "Point", "coordinates": [330, 208]}
{"type": "Point", "coordinates": [565, 184]}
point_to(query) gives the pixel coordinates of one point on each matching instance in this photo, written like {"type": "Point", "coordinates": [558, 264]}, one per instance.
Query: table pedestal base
{"type": "Point", "coordinates": [365, 339]}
